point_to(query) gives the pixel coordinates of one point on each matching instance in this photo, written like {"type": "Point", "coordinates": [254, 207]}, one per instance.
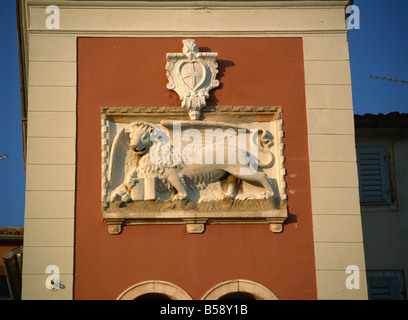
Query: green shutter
{"type": "Point", "coordinates": [373, 175]}
{"type": "Point", "coordinates": [383, 288]}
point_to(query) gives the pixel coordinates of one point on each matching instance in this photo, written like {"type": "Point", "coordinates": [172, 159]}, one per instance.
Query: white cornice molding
{"type": "Point", "coordinates": [190, 4]}
{"type": "Point", "coordinates": [204, 33]}
{"type": "Point", "coordinates": [257, 18]}
{"type": "Point", "coordinates": [170, 21]}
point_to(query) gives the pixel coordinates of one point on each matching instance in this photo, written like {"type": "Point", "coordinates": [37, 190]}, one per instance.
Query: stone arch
{"type": "Point", "coordinates": [168, 289]}
{"type": "Point", "coordinates": [258, 291]}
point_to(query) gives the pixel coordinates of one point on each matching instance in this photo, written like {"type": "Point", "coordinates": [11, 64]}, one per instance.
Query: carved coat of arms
{"type": "Point", "coordinates": [192, 75]}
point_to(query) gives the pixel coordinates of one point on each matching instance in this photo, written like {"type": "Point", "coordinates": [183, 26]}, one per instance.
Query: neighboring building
{"type": "Point", "coordinates": [91, 67]}
{"type": "Point", "coordinates": [382, 151]}
{"type": "Point", "coordinates": [11, 245]}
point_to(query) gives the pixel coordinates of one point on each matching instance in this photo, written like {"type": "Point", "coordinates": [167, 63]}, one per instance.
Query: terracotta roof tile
{"type": "Point", "coordinates": [12, 231]}
{"type": "Point", "coordinates": [381, 116]}
{"type": "Point", "coordinates": [389, 120]}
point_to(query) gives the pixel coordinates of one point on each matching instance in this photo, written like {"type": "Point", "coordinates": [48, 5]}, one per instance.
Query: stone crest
{"type": "Point", "coordinates": [192, 75]}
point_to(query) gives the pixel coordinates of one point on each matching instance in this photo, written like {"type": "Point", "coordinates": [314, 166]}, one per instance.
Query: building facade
{"type": "Point", "coordinates": [279, 63]}
{"type": "Point", "coordinates": [381, 142]}
{"type": "Point", "coordinates": [11, 249]}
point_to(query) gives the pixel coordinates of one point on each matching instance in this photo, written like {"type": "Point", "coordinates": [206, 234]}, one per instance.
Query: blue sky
{"type": "Point", "coordinates": [379, 47]}
{"type": "Point", "coordinates": [12, 177]}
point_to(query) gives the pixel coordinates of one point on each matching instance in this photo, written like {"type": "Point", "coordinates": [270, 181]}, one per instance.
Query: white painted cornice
{"type": "Point", "coordinates": [191, 4]}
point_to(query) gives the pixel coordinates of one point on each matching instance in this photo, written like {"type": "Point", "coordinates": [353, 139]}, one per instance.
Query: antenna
{"type": "Point", "coordinates": [389, 79]}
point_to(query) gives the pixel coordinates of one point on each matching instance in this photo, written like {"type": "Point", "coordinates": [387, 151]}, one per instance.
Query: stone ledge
{"type": "Point", "coordinates": [195, 220]}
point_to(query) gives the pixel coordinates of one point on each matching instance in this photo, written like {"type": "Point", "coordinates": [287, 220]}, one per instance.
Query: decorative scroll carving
{"type": "Point", "coordinates": [192, 75]}
{"type": "Point", "coordinates": [193, 172]}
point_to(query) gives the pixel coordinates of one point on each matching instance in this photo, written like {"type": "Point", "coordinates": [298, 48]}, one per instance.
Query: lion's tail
{"type": "Point", "coordinates": [271, 161]}
{"type": "Point", "coordinates": [266, 142]}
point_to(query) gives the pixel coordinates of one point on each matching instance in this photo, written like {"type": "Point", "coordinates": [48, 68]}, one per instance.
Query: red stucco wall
{"type": "Point", "coordinates": [131, 72]}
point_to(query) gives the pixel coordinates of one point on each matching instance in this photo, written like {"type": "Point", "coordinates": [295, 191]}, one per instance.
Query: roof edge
{"type": "Point", "coordinates": [389, 120]}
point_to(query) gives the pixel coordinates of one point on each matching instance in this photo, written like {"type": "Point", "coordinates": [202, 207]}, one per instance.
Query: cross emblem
{"type": "Point", "coordinates": [192, 74]}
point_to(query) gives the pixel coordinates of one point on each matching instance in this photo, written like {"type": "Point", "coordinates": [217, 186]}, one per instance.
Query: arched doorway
{"type": "Point", "coordinates": [153, 296]}
{"type": "Point", "coordinates": [154, 290]}
{"type": "Point", "coordinates": [239, 290]}
{"type": "Point", "coordinates": [237, 296]}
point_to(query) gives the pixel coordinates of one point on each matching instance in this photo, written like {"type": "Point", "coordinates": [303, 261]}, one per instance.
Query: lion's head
{"type": "Point", "coordinates": [139, 134]}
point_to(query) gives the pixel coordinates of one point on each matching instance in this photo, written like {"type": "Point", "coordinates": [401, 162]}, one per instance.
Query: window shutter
{"type": "Point", "coordinates": [383, 288]}
{"type": "Point", "coordinates": [373, 176]}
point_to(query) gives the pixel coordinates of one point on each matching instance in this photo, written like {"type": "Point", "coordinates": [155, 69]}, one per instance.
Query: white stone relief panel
{"type": "Point", "coordinates": [177, 170]}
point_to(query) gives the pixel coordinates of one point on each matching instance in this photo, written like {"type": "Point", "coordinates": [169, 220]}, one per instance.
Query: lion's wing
{"type": "Point", "coordinates": [118, 164]}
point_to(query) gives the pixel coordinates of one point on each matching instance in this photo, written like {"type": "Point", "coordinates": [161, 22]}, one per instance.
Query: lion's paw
{"type": "Point", "coordinates": [223, 196]}
{"type": "Point", "coordinates": [265, 195]}
{"type": "Point", "coordinates": [245, 197]}
{"type": "Point", "coordinates": [220, 196]}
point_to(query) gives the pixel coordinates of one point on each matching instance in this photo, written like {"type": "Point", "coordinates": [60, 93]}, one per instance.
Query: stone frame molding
{"type": "Point", "coordinates": [259, 291]}
{"type": "Point", "coordinates": [169, 289]}
{"type": "Point", "coordinates": [174, 292]}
